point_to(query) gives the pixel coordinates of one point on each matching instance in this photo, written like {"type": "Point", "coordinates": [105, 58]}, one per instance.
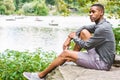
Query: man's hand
{"type": "Point", "coordinates": [72, 35]}
{"type": "Point", "coordinates": [68, 40]}
{"type": "Point", "coordinates": [66, 43]}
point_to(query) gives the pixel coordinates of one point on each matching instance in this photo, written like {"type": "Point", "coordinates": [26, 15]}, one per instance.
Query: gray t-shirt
{"type": "Point", "coordinates": [102, 40]}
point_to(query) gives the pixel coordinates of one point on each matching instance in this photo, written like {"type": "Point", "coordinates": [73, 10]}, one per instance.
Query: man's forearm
{"type": "Point", "coordinates": [66, 43]}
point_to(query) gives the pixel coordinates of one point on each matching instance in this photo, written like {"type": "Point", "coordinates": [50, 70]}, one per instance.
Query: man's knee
{"type": "Point", "coordinates": [84, 32]}
{"type": "Point", "coordinates": [65, 54]}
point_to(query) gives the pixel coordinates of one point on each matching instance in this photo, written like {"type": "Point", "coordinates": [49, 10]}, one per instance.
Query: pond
{"type": "Point", "coordinates": [32, 32]}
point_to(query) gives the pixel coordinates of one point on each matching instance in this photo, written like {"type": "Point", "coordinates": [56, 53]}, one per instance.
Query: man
{"type": "Point", "coordinates": [100, 46]}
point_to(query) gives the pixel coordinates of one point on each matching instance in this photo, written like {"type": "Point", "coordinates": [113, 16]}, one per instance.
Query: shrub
{"type": "Point", "coordinates": [2, 9]}
{"type": "Point", "coordinates": [28, 8]}
{"type": "Point", "coordinates": [41, 9]}
{"type": "Point", "coordinates": [117, 38]}
{"type": "Point", "coordinates": [14, 63]}
{"type": "Point", "coordinates": [35, 8]}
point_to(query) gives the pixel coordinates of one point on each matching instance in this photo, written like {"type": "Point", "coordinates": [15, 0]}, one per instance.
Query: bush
{"type": "Point", "coordinates": [28, 8]}
{"type": "Point", "coordinates": [2, 9]}
{"type": "Point", "coordinates": [41, 9]}
{"type": "Point", "coordinates": [35, 8]}
{"type": "Point", "coordinates": [14, 63]}
{"type": "Point", "coordinates": [117, 38]}
{"type": "Point", "coordinates": [113, 8]}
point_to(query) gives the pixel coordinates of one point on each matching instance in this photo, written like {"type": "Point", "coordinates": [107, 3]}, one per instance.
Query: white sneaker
{"type": "Point", "coordinates": [32, 76]}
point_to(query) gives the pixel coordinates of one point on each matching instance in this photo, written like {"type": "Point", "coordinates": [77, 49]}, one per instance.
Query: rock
{"type": "Point", "coordinates": [117, 61]}
{"type": "Point", "coordinates": [74, 72]}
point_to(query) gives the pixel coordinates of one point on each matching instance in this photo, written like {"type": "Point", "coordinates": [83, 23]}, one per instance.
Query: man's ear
{"type": "Point", "coordinates": [102, 13]}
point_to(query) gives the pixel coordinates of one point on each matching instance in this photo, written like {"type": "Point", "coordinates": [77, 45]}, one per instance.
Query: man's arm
{"type": "Point", "coordinates": [90, 28]}
{"type": "Point", "coordinates": [67, 43]}
{"type": "Point", "coordinates": [76, 34]}
{"type": "Point", "coordinates": [97, 39]}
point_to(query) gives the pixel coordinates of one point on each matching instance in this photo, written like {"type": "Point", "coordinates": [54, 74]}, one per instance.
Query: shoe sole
{"type": "Point", "coordinates": [26, 76]}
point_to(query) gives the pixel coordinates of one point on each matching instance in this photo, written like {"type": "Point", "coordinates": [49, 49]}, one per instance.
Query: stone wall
{"type": "Point", "coordinates": [74, 72]}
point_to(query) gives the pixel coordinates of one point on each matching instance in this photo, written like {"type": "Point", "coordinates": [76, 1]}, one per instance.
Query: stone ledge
{"type": "Point", "coordinates": [73, 72]}
{"type": "Point", "coordinates": [117, 61]}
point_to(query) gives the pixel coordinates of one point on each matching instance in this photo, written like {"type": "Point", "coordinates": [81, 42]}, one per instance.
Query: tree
{"type": "Point", "coordinates": [62, 7]}
{"type": "Point", "coordinates": [10, 7]}
{"type": "Point", "coordinates": [35, 8]}
{"type": "Point", "coordinates": [2, 7]}
{"type": "Point", "coordinates": [113, 8]}
{"type": "Point", "coordinates": [41, 8]}
{"type": "Point", "coordinates": [51, 2]}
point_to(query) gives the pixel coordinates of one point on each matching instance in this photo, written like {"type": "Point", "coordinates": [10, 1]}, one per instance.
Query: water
{"type": "Point", "coordinates": [31, 38]}
{"type": "Point", "coordinates": [31, 32]}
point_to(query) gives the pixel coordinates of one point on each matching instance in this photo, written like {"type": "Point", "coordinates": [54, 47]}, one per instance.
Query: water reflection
{"type": "Point", "coordinates": [30, 38]}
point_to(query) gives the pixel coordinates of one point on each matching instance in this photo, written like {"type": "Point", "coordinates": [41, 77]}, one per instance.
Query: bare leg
{"type": "Point", "coordinates": [77, 47]}
{"type": "Point", "coordinates": [84, 35]}
{"type": "Point", "coordinates": [61, 59]}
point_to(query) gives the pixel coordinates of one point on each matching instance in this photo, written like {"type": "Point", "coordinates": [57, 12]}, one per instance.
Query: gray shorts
{"type": "Point", "coordinates": [91, 60]}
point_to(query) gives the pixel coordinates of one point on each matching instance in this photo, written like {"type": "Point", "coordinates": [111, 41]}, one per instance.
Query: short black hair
{"type": "Point", "coordinates": [99, 5]}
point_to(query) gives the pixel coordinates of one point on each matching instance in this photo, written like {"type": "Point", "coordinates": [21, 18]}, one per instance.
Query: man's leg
{"type": "Point", "coordinates": [84, 35]}
{"type": "Point", "coordinates": [66, 55]}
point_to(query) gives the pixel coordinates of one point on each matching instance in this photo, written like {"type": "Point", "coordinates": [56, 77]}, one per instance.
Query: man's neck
{"type": "Point", "coordinates": [97, 21]}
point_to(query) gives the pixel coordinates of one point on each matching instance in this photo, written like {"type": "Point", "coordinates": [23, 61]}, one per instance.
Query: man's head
{"type": "Point", "coordinates": [96, 12]}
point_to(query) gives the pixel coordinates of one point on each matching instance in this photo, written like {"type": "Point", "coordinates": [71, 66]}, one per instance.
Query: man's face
{"type": "Point", "coordinates": [95, 13]}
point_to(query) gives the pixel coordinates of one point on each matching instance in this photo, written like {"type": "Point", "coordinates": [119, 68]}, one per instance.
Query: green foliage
{"type": "Point", "coordinates": [62, 7]}
{"type": "Point", "coordinates": [82, 3]}
{"type": "Point", "coordinates": [117, 38]}
{"type": "Point", "coordinates": [2, 9]}
{"type": "Point", "coordinates": [41, 8]}
{"type": "Point", "coordinates": [10, 7]}
{"type": "Point", "coordinates": [72, 44]}
{"type": "Point", "coordinates": [35, 8]}
{"type": "Point", "coordinates": [85, 9]}
{"type": "Point", "coordinates": [51, 2]}
{"type": "Point", "coordinates": [28, 8]}
{"type": "Point", "coordinates": [14, 63]}
{"type": "Point", "coordinates": [113, 8]}
{"type": "Point", "coordinates": [19, 12]}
